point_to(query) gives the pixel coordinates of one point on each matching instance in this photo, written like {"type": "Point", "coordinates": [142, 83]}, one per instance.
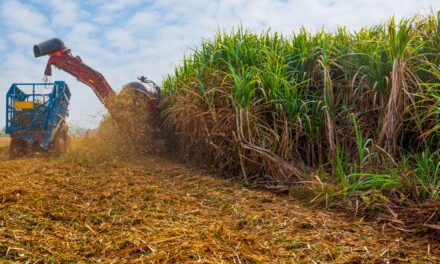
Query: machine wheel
{"type": "Point", "coordinates": [17, 148]}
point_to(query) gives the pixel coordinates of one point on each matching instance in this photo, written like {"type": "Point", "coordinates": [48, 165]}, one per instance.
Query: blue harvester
{"type": "Point", "coordinates": [36, 117]}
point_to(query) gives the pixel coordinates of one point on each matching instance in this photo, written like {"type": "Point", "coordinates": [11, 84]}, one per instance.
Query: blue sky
{"type": "Point", "coordinates": [126, 38]}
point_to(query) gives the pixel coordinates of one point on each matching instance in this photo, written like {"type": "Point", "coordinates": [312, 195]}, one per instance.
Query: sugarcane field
{"type": "Point", "coordinates": [220, 131]}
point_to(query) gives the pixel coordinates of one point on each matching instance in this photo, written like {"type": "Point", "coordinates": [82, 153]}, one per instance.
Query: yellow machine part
{"type": "Point", "coordinates": [23, 105]}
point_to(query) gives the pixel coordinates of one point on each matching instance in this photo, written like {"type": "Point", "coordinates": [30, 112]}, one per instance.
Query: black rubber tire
{"type": "Point", "coordinates": [17, 148]}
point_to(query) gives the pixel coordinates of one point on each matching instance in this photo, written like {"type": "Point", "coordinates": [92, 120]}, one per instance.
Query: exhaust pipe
{"type": "Point", "coordinates": [48, 47]}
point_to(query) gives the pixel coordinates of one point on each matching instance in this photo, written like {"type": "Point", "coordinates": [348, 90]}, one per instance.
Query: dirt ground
{"type": "Point", "coordinates": [155, 210]}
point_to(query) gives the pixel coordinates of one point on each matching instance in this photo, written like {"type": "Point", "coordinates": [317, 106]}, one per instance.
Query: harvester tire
{"type": "Point", "coordinates": [17, 148]}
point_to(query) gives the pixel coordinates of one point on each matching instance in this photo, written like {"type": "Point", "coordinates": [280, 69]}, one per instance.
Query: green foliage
{"type": "Point", "coordinates": [314, 99]}
{"type": "Point", "coordinates": [424, 173]}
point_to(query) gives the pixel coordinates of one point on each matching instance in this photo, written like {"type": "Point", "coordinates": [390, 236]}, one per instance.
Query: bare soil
{"type": "Point", "coordinates": [154, 210]}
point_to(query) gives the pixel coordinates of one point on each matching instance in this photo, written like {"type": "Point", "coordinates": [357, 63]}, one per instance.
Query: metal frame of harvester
{"type": "Point", "coordinates": [61, 57]}
{"type": "Point", "coordinates": [37, 120]}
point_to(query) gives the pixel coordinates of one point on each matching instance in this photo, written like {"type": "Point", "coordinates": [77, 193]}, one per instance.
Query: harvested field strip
{"type": "Point", "coordinates": [155, 210]}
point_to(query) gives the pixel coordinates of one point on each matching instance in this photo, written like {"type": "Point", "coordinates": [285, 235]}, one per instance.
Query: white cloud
{"type": "Point", "coordinates": [2, 44]}
{"type": "Point", "coordinates": [108, 12]}
{"type": "Point", "coordinates": [121, 39]}
{"type": "Point", "coordinates": [83, 29]}
{"type": "Point", "coordinates": [64, 13]}
{"type": "Point", "coordinates": [117, 5]}
{"type": "Point", "coordinates": [19, 17]}
{"type": "Point", "coordinates": [145, 19]}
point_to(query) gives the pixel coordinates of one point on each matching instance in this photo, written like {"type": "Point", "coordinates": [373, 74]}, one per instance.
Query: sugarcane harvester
{"type": "Point", "coordinates": [135, 108]}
